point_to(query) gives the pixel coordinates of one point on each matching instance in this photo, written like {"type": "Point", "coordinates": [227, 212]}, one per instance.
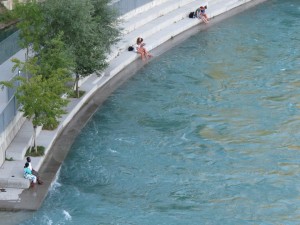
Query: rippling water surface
{"type": "Point", "coordinates": [207, 133]}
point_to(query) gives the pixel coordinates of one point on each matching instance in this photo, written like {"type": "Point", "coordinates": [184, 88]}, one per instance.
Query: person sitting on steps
{"type": "Point", "coordinates": [35, 173]}
{"type": "Point", "coordinates": [201, 14]}
{"type": "Point", "coordinates": [28, 175]}
{"type": "Point", "coordinates": [141, 49]}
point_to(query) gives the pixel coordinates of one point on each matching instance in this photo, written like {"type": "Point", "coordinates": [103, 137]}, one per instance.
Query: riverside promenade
{"type": "Point", "coordinates": [163, 24]}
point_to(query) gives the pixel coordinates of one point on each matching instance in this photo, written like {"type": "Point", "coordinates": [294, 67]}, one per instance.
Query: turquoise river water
{"type": "Point", "coordinates": [207, 133]}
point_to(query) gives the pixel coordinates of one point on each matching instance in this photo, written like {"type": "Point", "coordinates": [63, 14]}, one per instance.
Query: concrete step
{"type": "Point", "coordinates": [232, 4]}
{"type": "Point", "coordinates": [18, 183]}
{"type": "Point", "coordinates": [19, 145]}
{"type": "Point", "coordinates": [151, 14]}
{"type": "Point", "coordinates": [217, 7]}
{"type": "Point", "coordinates": [141, 9]}
{"type": "Point", "coordinates": [11, 173]}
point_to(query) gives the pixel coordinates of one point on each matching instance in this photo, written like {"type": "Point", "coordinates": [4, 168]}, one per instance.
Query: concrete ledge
{"type": "Point", "coordinates": [11, 173]}
{"type": "Point", "coordinates": [14, 182]}
{"type": "Point", "coordinates": [9, 134]}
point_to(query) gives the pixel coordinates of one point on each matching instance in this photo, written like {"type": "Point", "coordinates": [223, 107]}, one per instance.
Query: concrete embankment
{"type": "Point", "coordinates": [162, 30]}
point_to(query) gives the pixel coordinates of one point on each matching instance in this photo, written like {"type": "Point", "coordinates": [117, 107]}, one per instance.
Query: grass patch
{"type": "Point", "coordinates": [73, 94]}
{"type": "Point", "coordinates": [9, 159]}
{"type": "Point", "coordinates": [51, 126]}
{"type": "Point", "coordinates": [40, 151]}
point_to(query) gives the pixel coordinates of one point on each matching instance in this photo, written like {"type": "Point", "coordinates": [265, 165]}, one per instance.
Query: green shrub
{"type": "Point", "coordinates": [40, 151]}
{"type": "Point", "coordinates": [51, 125]}
{"type": "Point", "coordinates": [73, 94]}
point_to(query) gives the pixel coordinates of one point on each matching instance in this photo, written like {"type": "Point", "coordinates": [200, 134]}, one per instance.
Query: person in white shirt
{"type": "Point", "coordinates": [28, 175]}
{"type": "Point", "coordinates": [35, 173]}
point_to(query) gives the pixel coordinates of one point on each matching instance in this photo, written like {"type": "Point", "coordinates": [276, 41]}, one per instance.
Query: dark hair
{"type": "Point", "coordinates": [26, 165]}
{"type": "Point", "coordinates": [28, 159]}
{"type": "Point", "coordinates": [139, 40]}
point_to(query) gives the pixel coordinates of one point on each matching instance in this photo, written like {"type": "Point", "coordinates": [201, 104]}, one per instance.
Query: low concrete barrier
{"type": "Point", "coordinates": [14, 182]}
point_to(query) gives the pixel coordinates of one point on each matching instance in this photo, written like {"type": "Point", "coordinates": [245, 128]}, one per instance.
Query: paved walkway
{"type": "Point", "coordinates": [161, 23]}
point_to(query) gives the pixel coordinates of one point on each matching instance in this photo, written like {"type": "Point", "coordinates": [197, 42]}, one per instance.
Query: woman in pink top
{"type": "Point", "coordinates": [141, 49]}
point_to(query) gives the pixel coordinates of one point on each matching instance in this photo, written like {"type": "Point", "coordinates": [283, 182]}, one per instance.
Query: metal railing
{"type": "Point", "coordinates": [8, 114]}
{"type": "Point", "coordinates": [9, 47]}
{"type": "Point", "coordinates": [11, 108]}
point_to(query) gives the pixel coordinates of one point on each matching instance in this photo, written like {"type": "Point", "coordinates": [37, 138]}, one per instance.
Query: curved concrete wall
{"type": "Point", "coordinates": [160, 21]}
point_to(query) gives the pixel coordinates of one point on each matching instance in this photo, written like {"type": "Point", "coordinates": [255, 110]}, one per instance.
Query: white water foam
{"type": "Point", "coordinates": [55, 184]}
{"type": "Point", "coordinates": [67, 215]}
{"type": "Point", "coordinates": [113, 151]}
{"type": "Point", "coordinates": [46, 220]}
{"type": "Point", "coordinates": [184, 138]}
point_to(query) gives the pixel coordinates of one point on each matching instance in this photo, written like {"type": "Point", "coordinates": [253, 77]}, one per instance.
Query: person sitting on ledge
{"type": "Point", "coordinates": [28, 175]}
{"type": "Point", "coordinates": [139, 47]}
{"type": "Point", "coordinates": [201, 14]}
{"type": "Point", "coordinates": [35, 173]}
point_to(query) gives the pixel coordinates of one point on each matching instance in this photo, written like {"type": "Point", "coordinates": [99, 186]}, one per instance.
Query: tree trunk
{"type": "Point", "coordinates": [77, 85]}
{"type": "Point", "coordinates": [34, 138]}
{"type": "Point", "coordinates": [26, 59]}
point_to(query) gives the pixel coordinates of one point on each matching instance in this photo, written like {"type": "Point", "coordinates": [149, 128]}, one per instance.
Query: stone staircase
{"type": "Point", "coordinates": [157, 22]}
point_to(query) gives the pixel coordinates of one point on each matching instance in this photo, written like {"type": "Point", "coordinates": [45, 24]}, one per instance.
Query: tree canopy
{"type": "Point", "coordinates": [89, 29]}
{"type": "Point", "coordinates": [31, 24]}
{"type": "Point", "coordinates": [40, 92]}
{"type": "Point", "coordinates": [61, 38]}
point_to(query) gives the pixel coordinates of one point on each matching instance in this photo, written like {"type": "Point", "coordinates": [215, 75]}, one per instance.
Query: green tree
{"type": "Point", "coordinates": [40, 95]}
{"type": "Point", "coordinates": [52, 53]}
{"type": "Point", "coordinates": [39, 99]}
{"type": "Point", "coordinates": [55, 56]}
{"type": "Point", "coordinates": [89, 28]}
{"type": "Point", "coordinates": [31, 24]}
